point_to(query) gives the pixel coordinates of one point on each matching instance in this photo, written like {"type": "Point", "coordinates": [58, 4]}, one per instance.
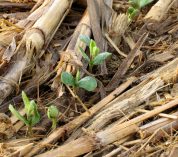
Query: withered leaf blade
{"type": "Point", "coordinates": [10, 51]}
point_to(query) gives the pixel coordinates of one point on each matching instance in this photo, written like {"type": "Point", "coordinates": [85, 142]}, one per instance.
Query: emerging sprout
{"type": "Point", "coordinates": [88, 83]}
{"type": "Point", "coordinates": [136, 6]}
{"type": "Point", "coordinates": [95, 58]}
{"type": "Point", "coordinates": [32, 114]}
{"type": "Point", "coordinates": [53, 114]}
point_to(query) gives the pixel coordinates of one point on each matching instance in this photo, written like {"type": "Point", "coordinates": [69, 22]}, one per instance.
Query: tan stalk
{"type": "Point", "coordinates": [165, 124]}
{"type": "Point", "coordinates": [105, 137]}
{"type": "Point", "coordinates": [127, 102]}
{"type": "Point", "coordinates": [78, 99]}
{"type": "Point", "coordinates": [158, 12]}
{"type": "Point", "coordinates": [78, 121]}
{"type": "Point", "coordinates": [16, 147]}
{"type": "Point", "coordinates": [71, 57]}
{"type": "Point", "coordinates": [34, 40]}
{"type": "Point", "coordinates": [118, 26]}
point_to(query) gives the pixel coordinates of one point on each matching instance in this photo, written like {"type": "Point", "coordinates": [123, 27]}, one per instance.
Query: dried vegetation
{"type": "Point", "coordinates": [133, 111]}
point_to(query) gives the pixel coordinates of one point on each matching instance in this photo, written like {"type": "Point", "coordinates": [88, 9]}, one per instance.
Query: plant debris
{"type": "Point", "coordinates": [101, 78]}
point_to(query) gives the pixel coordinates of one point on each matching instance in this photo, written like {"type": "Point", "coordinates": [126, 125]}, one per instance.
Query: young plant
{"type": "Point", "coordinates": [53, 114]}
{"type": "Point", "coordinates": [95, 57]}
{"type": "Point", "coordinates": [136, 6]}
{"type": "Point", "coordinates": [32, 114]}
{"type": "Point", "coordinates": [88, 83]}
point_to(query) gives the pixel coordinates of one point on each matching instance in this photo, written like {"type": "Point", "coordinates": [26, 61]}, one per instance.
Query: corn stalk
{"type": "Point", "coordinates": [71, 57]}
{"type": "Point", "coordinates": [118, 27]}
{"type": "Point", "coordinates": [126, 102]}
{"type": "Point", "coordinates": [157, 13]}
{"type": "Point", "coordinates": [106, 110]}
{"type": "Point", "coordinates": [116, 132]}
{"type": "Point", "coordinates": [78, 121]}
{"type": "Point", "coordinates": [41, 29]}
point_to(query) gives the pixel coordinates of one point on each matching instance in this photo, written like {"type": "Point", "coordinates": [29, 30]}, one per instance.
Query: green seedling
{"type": "Point", "coordinates": [88, 83]}
{"type": "Point", "coordinates": [32, 115]}
{"type": "Point", "coordinates": [95, 57]}
{"type": "Point", "coordinates": [53, 114]}
{"type": "Point", "coordinates": [136, 6]}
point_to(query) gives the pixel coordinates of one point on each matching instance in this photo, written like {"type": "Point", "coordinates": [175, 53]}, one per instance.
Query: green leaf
{"type": "Point", "coordinates": [96, 50]}
{"type": "Point", "coordinates": [53, 115]}
{"type": "Point", "coordinates": [67, 79]}
{"type": "Point", "coordinates": [34, 116]}
{"type": "Point", "coordinates": [54, 123]}
{"type": "Point", "coordinates": [138, 4]}
{"type": "Point", "coordinates": [30, 112]}
{"type": "Point", "coordinates": [88, 83]}
{"type": "Point", "coordinates": [18, 115]}
{"type": "Point", "coordinates": [130, 10]}
{"type": "Point", "coordinates": [133, 13]}
{"type": "Point", "coordinates": [135, 4]}
{"type": "Point", "coordinates": [77, 77]}
{"type": "Point", "coordinates": [52, 112]}
{"type": "Point", "coordinates": [85, 39]}
{"type": "Point", "coordinates": [100, 58]}
{"type": "Point", "coordinates": [26, 101]}
{"type": "Point", "coordinates": [143, 3]}
{"type": "Point", "coordinates": [84, 55]}
{"type": "Point", "coordinates": [92, 47]}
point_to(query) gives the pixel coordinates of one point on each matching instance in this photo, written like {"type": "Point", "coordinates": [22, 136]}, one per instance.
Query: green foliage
{"type": "Point", "coordinates": [132, 12]}
{"type": "Point", "coordinates": [136, 6]}
{"type": "Point", "coordinates": [85, 39]}
{"type": "Point", "coordinates": [53, 114]}
{"type": "Point", "coordinates": [77, 77]}
{"type": "Point", "coordinates": [100, 58]}
{"type": "Point", "coordinates": [94, 50]}
{"type": "Point", "coordinates": [32, 114]}
{"type": "Point", "coordinates": [26, 101]}
{"type": "Point", "coordinates": [18, 115]}
{"type": "Point", "coordinates": [67, 79]}
{"type": "Point", "coordinates": [84, 55]}
{"type": "Point", "coordinates": [88, 83]}
{"type": "Point", "coordinates": [95, 58]}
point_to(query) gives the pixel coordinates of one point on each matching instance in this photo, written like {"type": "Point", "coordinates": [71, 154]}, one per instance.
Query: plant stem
{"type": "Point", "coordinates": [74, 90]}
{"type": "Point", "coordinates": [80, 101]}
{"type": "Point", "coordinates": [90, 67]}
{"type": "Point", "coordinates": [54, 123]}
{"type": "Point", "coordinates": [29, 131]}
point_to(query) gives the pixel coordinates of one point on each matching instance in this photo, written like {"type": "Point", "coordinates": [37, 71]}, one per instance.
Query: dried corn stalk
{"type": "Point", "coordinates": [123, 104]}
{"type": "Point", "coordinates": [134, 97]}
{"type": "Point", "coordinates": [78, 121]}
{"type": "Point", "coordinates": [119, 25]}
{"type": "Point", "coordinates": [7, 129]}
{"type": "Point", "coordinates": [116, 132]}
{"type": "Point", "coordinates": [157, 13]}
{"type": "Point", "coordinates": [71, 57]}
{"type": "Point", "coordinates": [40, 28]}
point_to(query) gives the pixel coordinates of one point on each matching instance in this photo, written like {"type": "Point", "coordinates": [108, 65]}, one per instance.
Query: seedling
{"type": "Point", "coordinates": [136, 6]}
{"type": "Point", "coordinates": [53, 114]}
{"type": "Point", "coordinates": [88, 83]}
{"type": "Point", "coordinates": [95, 57]}
{"type": "Point", "coordinates": [32, 115]}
